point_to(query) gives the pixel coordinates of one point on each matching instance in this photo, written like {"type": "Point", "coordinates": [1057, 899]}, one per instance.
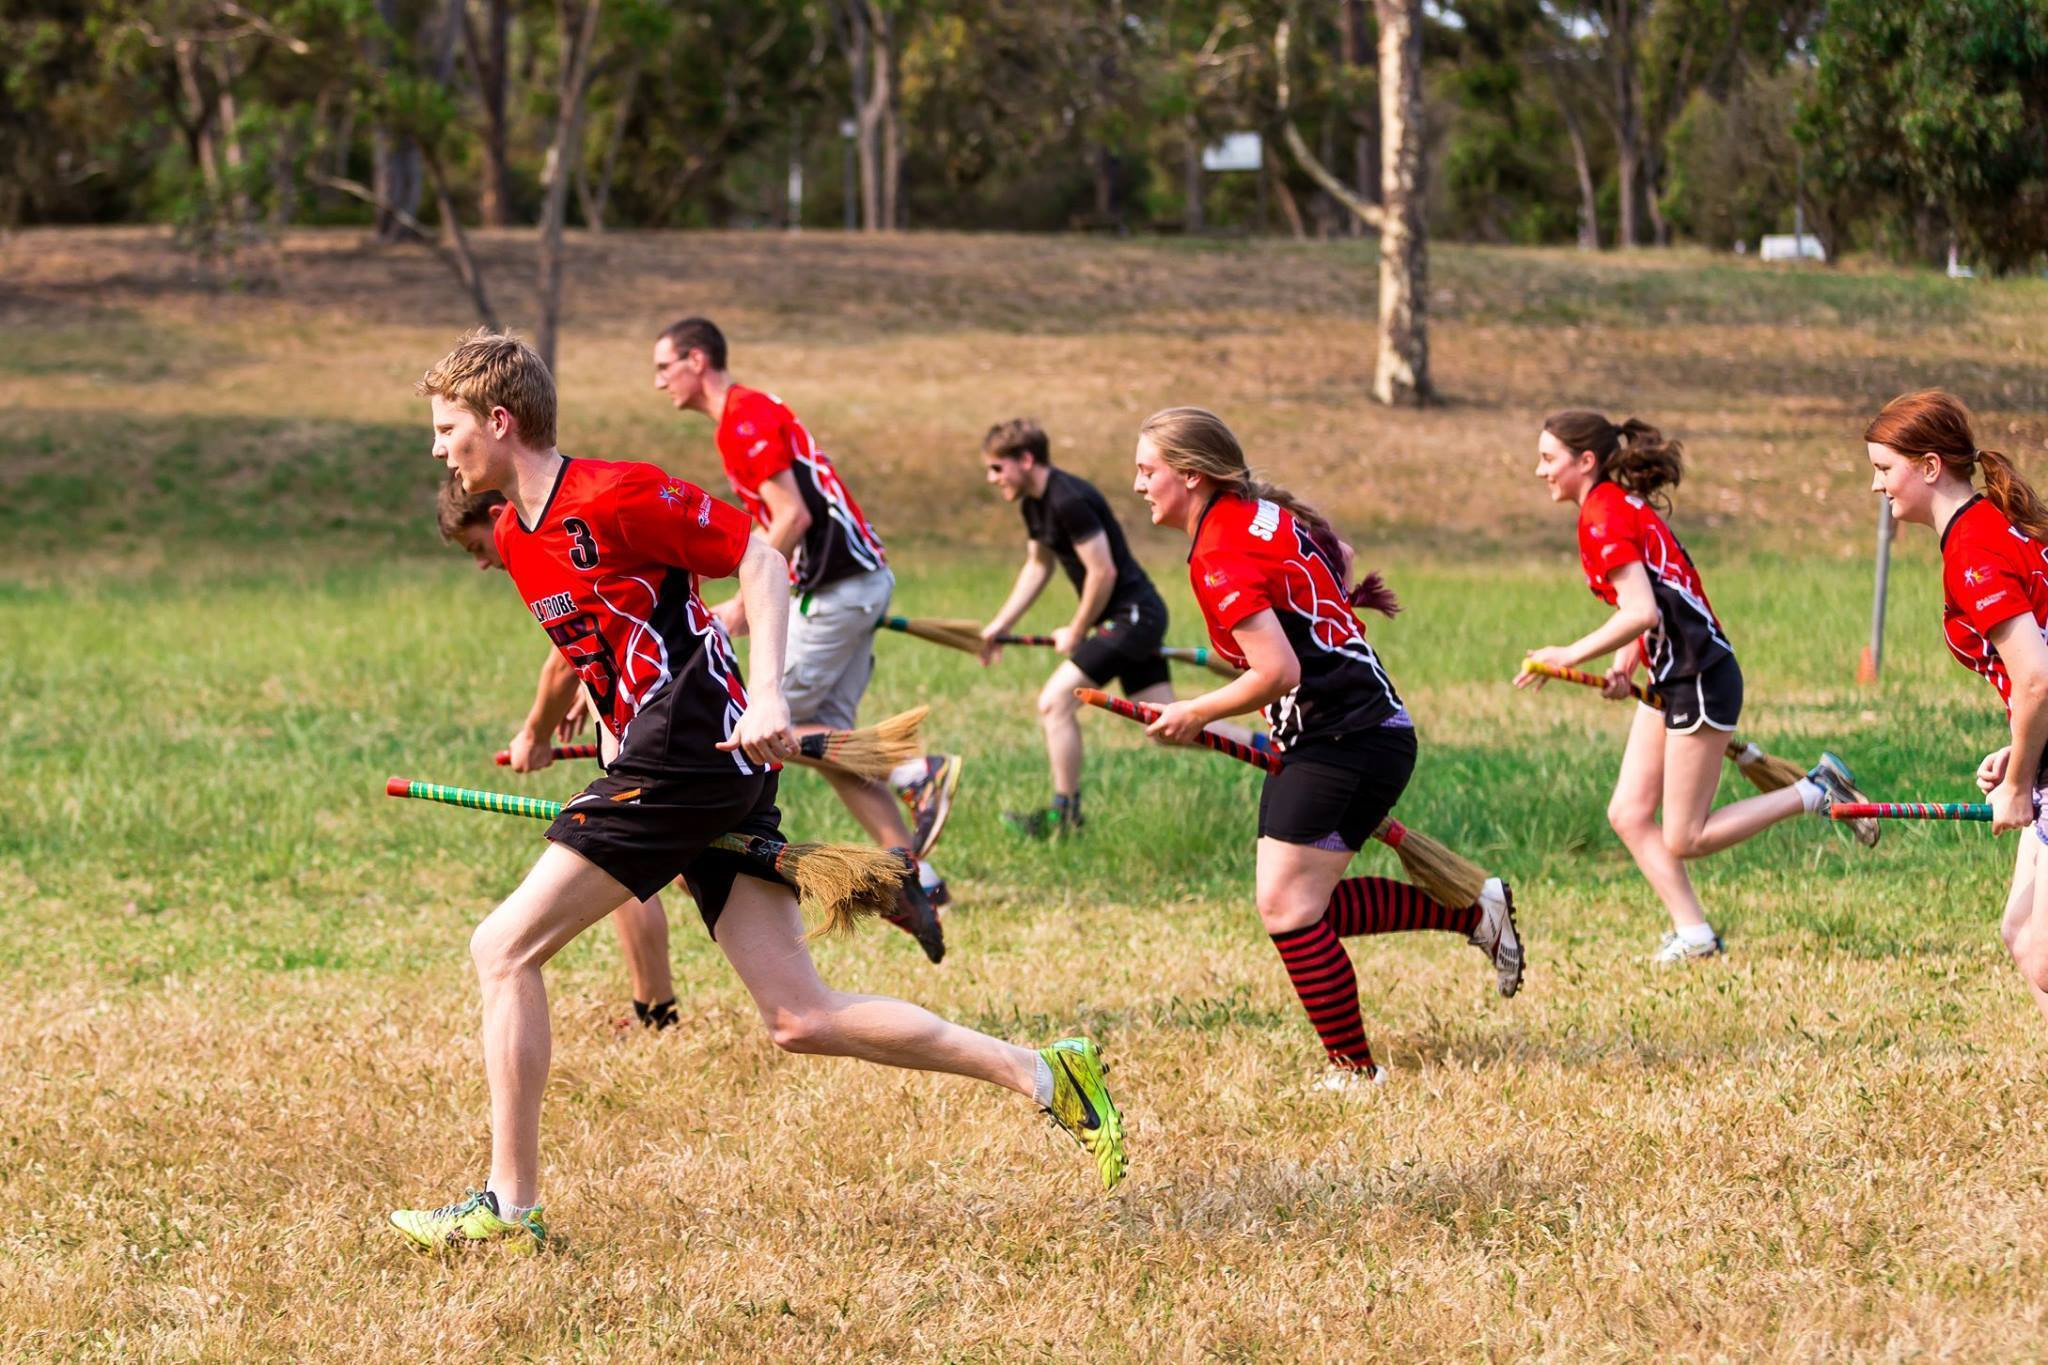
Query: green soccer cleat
{"type": "Point", "coordinates": [474, 1218]}
{"type": "Point", "coordinates": [1081, 1105]}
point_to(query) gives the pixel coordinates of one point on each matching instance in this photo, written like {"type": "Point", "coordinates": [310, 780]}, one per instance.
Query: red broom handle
{"type": "Point", "coordinates": [1585, 679]}
{"type": "Point", "coordinates": [504, 756]}
{"type": "Point", "coordinates": [1138, 711]}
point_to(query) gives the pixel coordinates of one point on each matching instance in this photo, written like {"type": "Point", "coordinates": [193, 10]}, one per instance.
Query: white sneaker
{"type": "Point", "coordinates": [1496, 936]}
{"type": "Point", "coordinates": [1344, 1078]}
{"type": "Point", "coordinates": [1675, 949]}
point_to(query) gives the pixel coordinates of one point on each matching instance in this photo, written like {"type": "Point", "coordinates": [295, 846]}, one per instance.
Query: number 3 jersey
{"type": "Point", "coordinates": [1250, 557]}
{"type": "Point", "coordinates": [610, 571]}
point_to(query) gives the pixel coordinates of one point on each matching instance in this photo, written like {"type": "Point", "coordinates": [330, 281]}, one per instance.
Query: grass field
{"type": "Point", "coordinates": [240, 1022]}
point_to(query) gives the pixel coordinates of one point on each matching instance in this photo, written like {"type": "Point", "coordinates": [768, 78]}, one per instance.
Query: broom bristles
{"type": "Point", "coordinates": [873, 751]}
{"type": "Point", "coordinates": [1765, 773]}
{"type": "Point", "coordinates": [955, 633]}
{"type": "Point", "coordinates": [846, 883]}
{"type": "Point", "coordinates": [1442, 875]}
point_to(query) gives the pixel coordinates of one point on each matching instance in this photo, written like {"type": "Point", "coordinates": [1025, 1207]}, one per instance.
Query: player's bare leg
{"type": "Point", "coordinates": [1632, 811]}
{"type": "Point", "coordinates": [761, 934]}
{"type": "Point", "coordinates": [2025, 924]}
{"type": "Point", "coordinates": [563, 895]}
{"type": "Point", "coordinates": [1692, 773]}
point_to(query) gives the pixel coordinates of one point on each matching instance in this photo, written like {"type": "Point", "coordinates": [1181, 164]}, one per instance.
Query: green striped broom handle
{"type": "Point", "coordinates": [1910, 810]}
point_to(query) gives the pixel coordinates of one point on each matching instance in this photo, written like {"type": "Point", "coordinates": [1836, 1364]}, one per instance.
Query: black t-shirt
{"type": "Point", "coordinates": [1073, 512]}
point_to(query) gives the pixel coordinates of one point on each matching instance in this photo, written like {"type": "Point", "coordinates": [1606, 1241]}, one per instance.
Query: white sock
{"type": "Point", "coordinates": [1696, 935]}
{"type": "Point", "coordinates": [1041, 1089]}
{"type": "Point", "coordinates": [908, 773]}
{"type": "Point", "coordinates": [510, 1211]}
{"type": "Point", "coordinates": [1812, 795]}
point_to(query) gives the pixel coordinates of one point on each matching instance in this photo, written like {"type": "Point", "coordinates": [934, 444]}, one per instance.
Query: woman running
{"type": "Point", "coordinates": [1268, 572]}
{"type": "Point", "coordinates": [1662, 622]}
{"type": "Point", "coordinates": [1994, 579]}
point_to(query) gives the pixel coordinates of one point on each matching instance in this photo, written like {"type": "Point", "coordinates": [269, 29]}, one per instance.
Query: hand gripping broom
{"type": "Point", "coordinates": [1440, 873]}
{"type": "Point", "coordinates": [844, 881]}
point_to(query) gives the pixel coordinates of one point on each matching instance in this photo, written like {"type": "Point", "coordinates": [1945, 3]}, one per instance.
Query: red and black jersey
{"type": "Point", "coordinates": [610, 571]}
{"type": "Point", "coordinates": [1991, 571]}
{"type": "Point", "coordinates": [1250, 557]}
{"type": "Point", "coordinates": [758, 438]}
{"type": "Point", "coordinates": [1615, 528]}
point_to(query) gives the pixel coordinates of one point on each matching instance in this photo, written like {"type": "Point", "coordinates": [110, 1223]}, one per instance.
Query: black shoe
{"type": "Point", "coordinates": [1047, 822]}
{"type": "Point", "coordinates": [915, 915]}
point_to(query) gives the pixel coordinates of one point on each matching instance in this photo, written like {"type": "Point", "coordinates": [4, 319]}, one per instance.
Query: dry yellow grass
{"type": "Point", "coordinates": [1820, 1148]}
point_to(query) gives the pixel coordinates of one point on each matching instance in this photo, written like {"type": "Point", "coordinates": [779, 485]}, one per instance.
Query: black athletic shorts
{"type": "Point", "coordinates": [1334, 793]}
{"type": "Point", "coordinates": [1125, 646]}
{"type": "Point", "coordinates": [647, 831]}
{"type": "Point", "coordinates": [1712, 698]}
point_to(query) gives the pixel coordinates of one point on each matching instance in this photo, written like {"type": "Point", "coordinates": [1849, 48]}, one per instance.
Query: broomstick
{"type": "Point", "coordinates": [1765, 773]}
{"type": "Point", "coordinates": [1912, 810]}
{"type": "Point", "coordinates": [961, 634]}
{"type": "Point", "coordinates": [1440, 873]}
{"type": "Point", "coordinates": [844, 881]}
{"type": "Point", "coordinates": [871, 752]}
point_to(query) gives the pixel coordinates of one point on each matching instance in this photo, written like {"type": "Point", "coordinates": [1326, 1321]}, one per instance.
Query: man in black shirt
{"type": "Point", "coordinates": [1067, 522]}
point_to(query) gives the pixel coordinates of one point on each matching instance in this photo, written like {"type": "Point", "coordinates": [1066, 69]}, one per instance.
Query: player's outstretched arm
{"type": "Point", "coordinates": [764, 732]}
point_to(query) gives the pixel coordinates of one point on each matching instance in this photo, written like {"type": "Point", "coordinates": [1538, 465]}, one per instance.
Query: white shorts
{"type": "Point", "coordinates": [832, 648]}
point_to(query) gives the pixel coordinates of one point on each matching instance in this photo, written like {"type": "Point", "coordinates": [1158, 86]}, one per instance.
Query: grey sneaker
{"type": "Point", "coordinates": [1834, 778]}
{"type": "Point", "coordinates": [1496, 936]}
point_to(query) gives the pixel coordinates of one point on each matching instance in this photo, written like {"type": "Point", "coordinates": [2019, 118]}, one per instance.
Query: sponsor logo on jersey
{"type": "Point", "coordinates": [756, 449]}
{"type": "Point", "coordinates": [1215, 578]}
{"type": "Point", "coordinates": [672, 492]}
{"type": "Point", "coordinates": [1597, 529]}
{"type": "Point", "coordinates": [548, 608]}
{"type": "Point", "coordinates": [1224, 605]}
{"type": "Point", "coordinates": [1265, 521]}
{"type": "Point", "coordinates": [1984, 602]}
{"type": "Point", "coordinates": [1973, 576]}
{"type": "Point", "coordinates": [745, 428]}
{"type": "Point", "coordinates": [704, 511]}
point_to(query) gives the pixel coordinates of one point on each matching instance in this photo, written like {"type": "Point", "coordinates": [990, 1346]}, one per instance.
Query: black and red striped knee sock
{"type": "Point", "coordinates": [1381, 905]}
{"type": "Point", "coordinates": [1322, 976]}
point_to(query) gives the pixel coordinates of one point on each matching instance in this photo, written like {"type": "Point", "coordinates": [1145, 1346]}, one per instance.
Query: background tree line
{"type": "Point", "coordinates": [1608, 122]}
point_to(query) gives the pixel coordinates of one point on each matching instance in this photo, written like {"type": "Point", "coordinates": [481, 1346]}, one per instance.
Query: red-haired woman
{"type": "Point", "coordinates": [1994, 579]}
{"type": "Point", "coordinates": [1663, 623]}
{"type": "Point", "coordinates": [1269, 572]}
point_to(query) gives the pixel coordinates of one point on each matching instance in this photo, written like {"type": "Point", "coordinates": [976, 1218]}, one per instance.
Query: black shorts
{"type": "Point", "coordinates": [1712, 698]}
{"type": "Point", "coordinates": [647, 831]}
{"type": "Point", "coordinates": [1125, 646]}
{"type": "Point", "coordinates": [1334, 793]}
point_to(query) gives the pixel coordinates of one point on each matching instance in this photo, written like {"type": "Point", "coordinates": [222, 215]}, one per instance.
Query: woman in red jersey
{"type": "Point", "coordinates": [1269, 572]}
{"type": "Point", "coordinates": [1663, 624]}
{"type": "Point", "coordinates": [1994, 579]}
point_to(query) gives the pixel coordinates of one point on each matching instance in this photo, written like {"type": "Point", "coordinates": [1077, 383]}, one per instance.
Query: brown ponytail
{"type": "Point", "coordinates": [1935, 422]}
{"type": "Point", "coordinates": [1195, 441]}
{"type": "Point", "coordinates": [1634, 454]}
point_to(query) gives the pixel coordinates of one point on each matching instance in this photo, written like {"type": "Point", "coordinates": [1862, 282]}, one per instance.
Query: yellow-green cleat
{"type": "Point", "coordinates": [473, 1218]}
{"type": "Point", "coordinates": [1081, 1105]}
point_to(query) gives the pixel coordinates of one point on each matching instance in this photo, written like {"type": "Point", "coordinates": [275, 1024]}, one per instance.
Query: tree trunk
{"type": "Point", "coordinates": [1582, 161]}
{"type": "Point", "coordinates": [1401, 378]}
{"type": "Point", "coordinates": [1355, 50]}
{"type": "Point", "coordinates": [1191, 177]}
{"type": "Point", "coordinates": [596, 199]}
{"type": "Point", "coordinates": [1626, 113]}
{"type": "Point", "coordinates": [489, 62]}
{"type": "Point", "coordinates": [888, 65]}
{"type": "Point", "coordinates": [580, 35]}
{"type": "Point", "coordinates": [865, 84]}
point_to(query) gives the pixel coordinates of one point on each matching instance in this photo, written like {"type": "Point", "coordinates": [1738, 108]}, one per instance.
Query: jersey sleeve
{"type": "Point", "coordinates": [764, 445]}
{"type": "Point", "coordinates": [1232, 588]}
{"type": "Point", "coordinates": [1610, 535]}
{"type": "Point", "coordinates": [1986, 586]}
{"type": "Point", "coordinates": [1076, 518]}
{"type": "Point", "coordinates": [668, 521]}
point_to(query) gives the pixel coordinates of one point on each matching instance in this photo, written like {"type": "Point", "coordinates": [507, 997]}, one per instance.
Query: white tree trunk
{"type": "Point", "coordinates": [1401, 377]}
